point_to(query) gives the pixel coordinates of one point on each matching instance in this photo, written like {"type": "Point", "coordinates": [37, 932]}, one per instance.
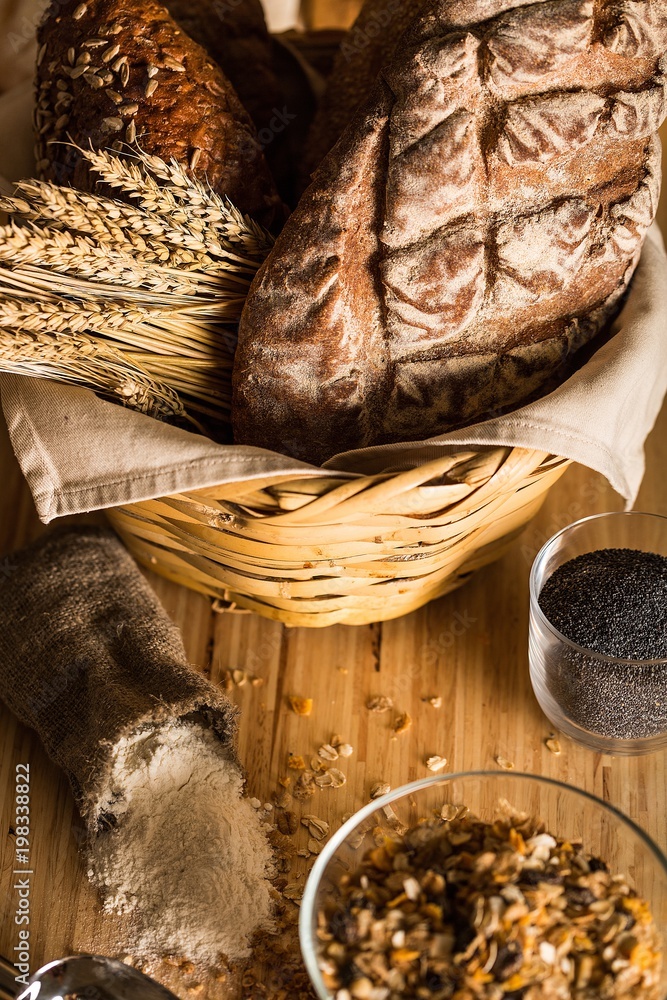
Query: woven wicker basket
{"type": "Point", "coordinates": [321, 551]}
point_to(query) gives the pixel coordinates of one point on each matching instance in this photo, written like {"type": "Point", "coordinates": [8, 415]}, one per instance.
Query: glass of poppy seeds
{"type": "Point", "coordinates": [452, 888]}
{"type": "Point", "coordinates": [598, 632]}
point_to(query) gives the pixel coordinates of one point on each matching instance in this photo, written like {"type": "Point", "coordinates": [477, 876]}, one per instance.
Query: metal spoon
{"type": "Point", "coordinates": [92, 977]}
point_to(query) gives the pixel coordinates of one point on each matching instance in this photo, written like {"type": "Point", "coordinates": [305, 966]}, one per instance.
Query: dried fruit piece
{"type": "Point", "coordinates": [436, 763]}
{"type": "Point", "coordinates": [379, 703]}
{"type": "Point", "coordinates": [296, 763]}
{"type": "Point", "coordinates": [301, 706]}
{"type": "Point", "coordinates": [402, 724]}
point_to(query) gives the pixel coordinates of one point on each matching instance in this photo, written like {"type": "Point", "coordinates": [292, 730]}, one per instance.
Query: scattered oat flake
{"type": "Point", "coordinates": [402, 723]}
{"type": "Point", "coordinates": [333, 778]}
{"type": "Point", "coordinates": [317, 828]}
{"type": "Point", "coordinates": [503, 762]}
{"type": "Point", "coordinates": [379, 703]}
{"type": "Point", "coordinates": [436, 763]}
{"type": "Point", "coordinates": [328, 752]}
{"type": "Point", "coordinates": [257, 682]}
{"type": "Point", "coordinates": [304, 786]}
{"type": "Point", "coordinates": [239, 677]}
{"type": "Point", "coordinates": [336, 740]}
{"type": "Point", "coordinates": [301, 706]}
{"type": "Point", "coordinates": [296, 763]}
{"type": "Point", "coordinates": [313, 846]}
{"type": "Point", "coordinates": [553, 746]}
{"type": "Point", "coordinates": [435, 701]}
{"type": "Point", "coordinates": [293, 891]}
{"type": "Point", "coordinates": [379, 789]}
{"type": "Point", "coordinates": [345, 750]}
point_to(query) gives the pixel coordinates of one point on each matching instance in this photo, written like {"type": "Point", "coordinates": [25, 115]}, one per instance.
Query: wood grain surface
{"type": "Point", "coordinates": [470, 648]}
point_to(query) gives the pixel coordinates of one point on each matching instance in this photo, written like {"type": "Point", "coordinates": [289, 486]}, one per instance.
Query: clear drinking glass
{"type": "Point", "coordinates": [607, 704]}
{"type": "Point", "coordinates": [567, 812]}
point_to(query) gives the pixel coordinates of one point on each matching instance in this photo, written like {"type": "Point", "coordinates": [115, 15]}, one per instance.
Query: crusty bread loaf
{"type": "Point", "coordinates": [112, 71]}
{"type": "Point", "coordinates": [476, 223]}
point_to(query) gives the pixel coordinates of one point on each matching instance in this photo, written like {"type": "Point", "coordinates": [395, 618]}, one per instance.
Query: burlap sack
{"type": "Point", "coordinates": [88, 656]}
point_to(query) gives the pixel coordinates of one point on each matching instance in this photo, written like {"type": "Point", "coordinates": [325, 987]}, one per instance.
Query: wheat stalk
{"type": "Point", "coordinates": [138, 301]}
{"type": "Point", "coordinates": [80, 360]}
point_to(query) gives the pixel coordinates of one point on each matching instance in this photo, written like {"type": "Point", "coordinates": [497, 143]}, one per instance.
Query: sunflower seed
{"type": "Point", "coordinates": [41, 54]}
{"type": "Point", "coordinates": [131, 132]}
{"type": "Point", "coordinates": [152, 71]}
{"type": "Point", "coordinates": [110, 53]}
{"type": "Point", "coordinates": [114, 96]}
{"type": "Point", "coordinates": [115, 28]}
{"type": "Point", "coordinates": [151, 87]}
{"type": "Point", "coordinates": [129, 109]}
{"type": "Point", "coordinates": [112, 124]}
{"type": "Point", "coordinates": [62, 122]}
{"type": "Point", "coordinates": [94, 43]}
{"type": "Point", "coordinates": [79, 11]}
{"type": "Point", "coordinates": [83, 58]}
{"type": "Point", "coordinates": [71, 55]}
{"type": "Point", "coordinates": [93, 80]}
{"type": "Point", "coordinates": [170, 63]}
{"type": "Point", "coordinates": [194, 159]}
{"type": "Point", "coordinates": [75, 73]}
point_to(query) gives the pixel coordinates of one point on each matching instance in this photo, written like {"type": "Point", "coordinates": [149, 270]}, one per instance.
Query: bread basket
{"type": "Point", "coordinates": [317, 552]}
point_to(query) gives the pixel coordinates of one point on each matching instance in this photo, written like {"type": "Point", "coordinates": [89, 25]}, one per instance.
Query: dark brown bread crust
{"type": "Point", "coordinates": [110, 70]}
{"type": "Point", "coordinates": [368, 46]}
{"type": "Point", "coordinates": [236, 38]}
{"type": "Point", "coordinates": [475, 225]}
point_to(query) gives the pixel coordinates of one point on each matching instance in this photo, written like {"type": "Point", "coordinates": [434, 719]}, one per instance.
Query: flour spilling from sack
{"type": "Point", "coordinates": [186, 854]}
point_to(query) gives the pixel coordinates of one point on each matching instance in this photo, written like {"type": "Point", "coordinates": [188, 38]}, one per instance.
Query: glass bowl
{"type": "Point", "coordinates": [610, 705]}
{"type": "Point", "coordinates": [567, 812]}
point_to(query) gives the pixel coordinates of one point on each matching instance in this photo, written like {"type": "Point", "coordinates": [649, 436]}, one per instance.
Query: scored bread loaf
{"type": "Point", "coordinates": [116, 72]}
{"type": "Point", "coordinates": [476, 223]}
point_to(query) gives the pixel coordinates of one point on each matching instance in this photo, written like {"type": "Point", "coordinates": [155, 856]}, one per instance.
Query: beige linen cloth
{"type": "Point", "coordinates": [80, 453]}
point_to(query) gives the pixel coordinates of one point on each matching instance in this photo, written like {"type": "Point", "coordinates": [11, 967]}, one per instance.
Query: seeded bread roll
{"type": "Point", "coordinates": [114, 71]}
{"type": "Point", "coordinates": [475, 225]}
{"type": "Point", "coordinates": [237, 39]}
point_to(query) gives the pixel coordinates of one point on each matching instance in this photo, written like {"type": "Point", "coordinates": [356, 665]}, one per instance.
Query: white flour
{"type": "Point", "coordinates": [188, 857]}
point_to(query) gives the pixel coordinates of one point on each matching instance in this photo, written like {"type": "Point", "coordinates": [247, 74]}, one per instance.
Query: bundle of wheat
{"type": "Point", "coordinates": [136, 299]}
